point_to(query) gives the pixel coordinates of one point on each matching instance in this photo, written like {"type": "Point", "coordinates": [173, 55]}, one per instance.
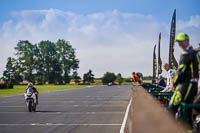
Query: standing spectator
{"type": "Point", "coordinates": [135, 78]}
{"type": "Point", "coordinates": [187, 75]}
{"type": "Point", "coordinates": [139, 75]}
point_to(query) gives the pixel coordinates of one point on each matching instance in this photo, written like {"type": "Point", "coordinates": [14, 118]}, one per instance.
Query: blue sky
{"type": "Point", "coordinates": [158, 8]}
{"type": "Point", "coordinates": [109, 35]}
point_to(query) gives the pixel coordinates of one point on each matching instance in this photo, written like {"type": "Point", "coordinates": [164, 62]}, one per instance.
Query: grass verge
{"type": "Point", "coordinates": [20, 89]}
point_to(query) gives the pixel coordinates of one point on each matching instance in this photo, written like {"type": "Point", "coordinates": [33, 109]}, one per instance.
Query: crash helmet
{"type": "Point", "coordinates": [30, 84]}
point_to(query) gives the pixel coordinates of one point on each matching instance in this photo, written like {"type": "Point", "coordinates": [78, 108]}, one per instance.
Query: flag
{"type": "Point", "coordinates": [154, 65]}
{"type": "Point", "coordinates": [159, 58]}
{"type": "Point", "coordinates": [172, 61]}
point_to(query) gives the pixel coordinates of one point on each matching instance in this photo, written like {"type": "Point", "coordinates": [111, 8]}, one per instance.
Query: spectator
{"type": "Point", "coordinates": [135, 78]}
{"type": "Point", "coordinates": [187, 75]}
{"type": "Point", "coordinates": [161, 81]}
{"type": "Point", "coordinates": [171, 73]}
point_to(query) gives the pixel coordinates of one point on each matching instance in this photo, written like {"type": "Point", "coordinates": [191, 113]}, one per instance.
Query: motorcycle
{"type": "Point", "coordinates": [30, 99]}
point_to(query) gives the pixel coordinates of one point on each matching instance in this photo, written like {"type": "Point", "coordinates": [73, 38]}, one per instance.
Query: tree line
{"type": "Point", "coordinates": [43, 62]}
{"type": "Point", "coordinates": [46, 61]}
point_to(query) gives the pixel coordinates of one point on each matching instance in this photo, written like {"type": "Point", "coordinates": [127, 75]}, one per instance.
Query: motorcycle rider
{"type": "Point", "coordinates": [30, 85]}
{"type": "Point", "coordinates": [186, 78]}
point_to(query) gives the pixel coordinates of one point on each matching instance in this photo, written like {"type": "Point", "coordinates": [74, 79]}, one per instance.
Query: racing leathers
{"type": "Point", "coordinates": [36, 93]}
{"type": "Point", "coordinates": [186, 79]}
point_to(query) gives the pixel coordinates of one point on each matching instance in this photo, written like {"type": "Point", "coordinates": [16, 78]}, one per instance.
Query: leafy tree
{"type": "Point", "coordinates": [45, 62]}
{"type": "Point", "coordinates": [108, 78]}
{"type": "Point", "coordinates": [88, 77]}
{"type": "Point", "coordinates": [18, 74]}
{"type": "Point", "coordinates": [11, 75]}
{"type": "Point", "coordinates": [48, 53]}
{"type": "Point", "coordinates": [67, 78]}
{"type": "Point", "coordinates": [76, 77]}
{"type": "Point", "coordinates": [27, 59]}
{"type": "Point", "coordinates": [119, 78]}
{"type": "Point", "coordinates": [57, 72]}
{"type": "Point", "coordinates": [66, 54]}
{"type": "Point", "coordinates": [128, 79]}
{"type": "Point", "coordinates": [40, 69]}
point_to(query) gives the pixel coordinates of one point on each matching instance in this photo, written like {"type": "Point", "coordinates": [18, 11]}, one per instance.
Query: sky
{"type": "Point", "coordinates": [108, 35]}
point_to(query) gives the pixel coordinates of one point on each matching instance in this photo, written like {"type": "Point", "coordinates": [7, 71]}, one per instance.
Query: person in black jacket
{"type": "Point", "coordinates": [186, 78]}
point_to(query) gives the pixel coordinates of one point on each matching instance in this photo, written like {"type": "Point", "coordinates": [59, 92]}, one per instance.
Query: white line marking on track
{"type": "Point", "coordinates": [125, 117]}
{"type": "Point", "coordinates": [59, 124]}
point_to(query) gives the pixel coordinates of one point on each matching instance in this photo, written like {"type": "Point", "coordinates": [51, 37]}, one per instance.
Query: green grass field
{"type": "Point", "coordinates": [20, 89]}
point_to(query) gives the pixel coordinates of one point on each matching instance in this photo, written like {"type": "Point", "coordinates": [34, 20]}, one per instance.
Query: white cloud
{"type": "Point", "coordinates": [107, 41]}
{"type": "Point", "coordinates": [193, 22]}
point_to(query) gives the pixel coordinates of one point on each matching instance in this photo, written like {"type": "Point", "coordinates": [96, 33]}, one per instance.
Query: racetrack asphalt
{"type": "Point", "coordinates": [88, 110]}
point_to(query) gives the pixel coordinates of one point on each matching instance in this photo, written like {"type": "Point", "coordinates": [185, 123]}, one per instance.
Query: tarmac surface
{"type": "Point", "coordinates": [87, 110]}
